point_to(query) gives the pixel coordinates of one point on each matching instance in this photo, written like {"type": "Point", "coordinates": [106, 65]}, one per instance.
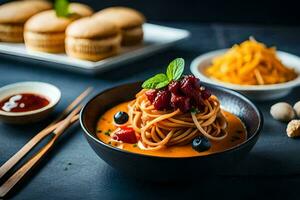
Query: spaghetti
{"type": "Point", "coordinates": [250, 63]}
{"type": "Point", "coordinates": [158, 129]}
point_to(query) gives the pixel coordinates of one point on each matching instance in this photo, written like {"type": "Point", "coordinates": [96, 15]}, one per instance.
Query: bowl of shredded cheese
{"type": "Point", "coordinates": [252, 68]}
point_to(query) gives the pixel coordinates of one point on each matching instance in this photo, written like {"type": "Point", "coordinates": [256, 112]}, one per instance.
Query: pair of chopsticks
{"type": "Point", "coordinates": [57, 127]}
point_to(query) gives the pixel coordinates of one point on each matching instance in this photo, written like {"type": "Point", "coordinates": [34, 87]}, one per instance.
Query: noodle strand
{"type": "Point", "coordinates": [158, 129]}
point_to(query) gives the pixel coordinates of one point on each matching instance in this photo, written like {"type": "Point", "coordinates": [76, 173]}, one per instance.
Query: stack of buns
{"type": "Point", "coordinates": [129, 22]}
{"type": "Point", "coordinates": [13, 16]}
{"type": "Point", "coordinates": [90, 39]}
{"type": "Point", "coordinates": [81, 35]}
{"type": "Point", "coordinates": [46, 32]}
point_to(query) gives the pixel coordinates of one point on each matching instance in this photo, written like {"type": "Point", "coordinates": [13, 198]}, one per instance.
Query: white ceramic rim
{"type": "Point", "coordinates": [54, 99]}
{"type": "Point", "coordinates": [208, 56]}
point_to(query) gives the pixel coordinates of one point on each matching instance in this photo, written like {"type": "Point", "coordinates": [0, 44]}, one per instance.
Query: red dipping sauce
{"type": "Point", "coordinates": [23, 102]}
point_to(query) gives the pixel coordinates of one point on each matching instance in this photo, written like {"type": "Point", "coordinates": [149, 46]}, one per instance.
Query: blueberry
{"type": "Point", "coordinates": [201, 143]}
{"type": "Point", "coordinates": [121, 117]}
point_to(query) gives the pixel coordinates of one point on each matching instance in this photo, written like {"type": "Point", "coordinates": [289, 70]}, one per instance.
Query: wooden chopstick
{"type": "Point", "coordinates": [20, 173]}
{"type": "Point", "coordinates": [77, 101]}
{"type": "Point", "coordinates": [9, 164]}
{"type": "Point", "coordinates": [28, 146]}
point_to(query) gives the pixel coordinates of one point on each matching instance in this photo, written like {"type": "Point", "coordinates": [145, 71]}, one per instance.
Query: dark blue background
{"type": "Point", "coordinates": [73, 171]}
{"type": "Point", "coordinates": [272, 168]}
{"type": "Point", "coordinates": [229, 11]}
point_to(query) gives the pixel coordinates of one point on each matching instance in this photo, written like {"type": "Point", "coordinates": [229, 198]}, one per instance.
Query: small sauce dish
{"type": "Point", "coordinates": [27, 102]}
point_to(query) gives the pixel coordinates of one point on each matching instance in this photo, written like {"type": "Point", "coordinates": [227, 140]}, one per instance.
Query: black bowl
{"type": "Point", "coordinates": [161, 168]}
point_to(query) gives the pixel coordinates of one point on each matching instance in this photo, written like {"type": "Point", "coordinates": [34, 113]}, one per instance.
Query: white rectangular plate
{"type": "Point", "coordinates": [156, 38]}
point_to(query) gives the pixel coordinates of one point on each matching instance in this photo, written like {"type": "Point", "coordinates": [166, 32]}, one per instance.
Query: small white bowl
{"type": "Point", "coordinates": [47, 90]}
{"type": "Point", "coordinates": [255, 92]}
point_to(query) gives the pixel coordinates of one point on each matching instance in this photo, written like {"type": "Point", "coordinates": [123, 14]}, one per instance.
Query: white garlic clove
{"type": "Point", "coordinates": [282, 111]}
{"type": "Point", "coordinates": [293, 128]}
{"type": "Point", "coordinates": [297, 108]}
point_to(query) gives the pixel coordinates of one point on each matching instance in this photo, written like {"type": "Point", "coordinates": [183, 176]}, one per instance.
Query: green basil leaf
{"type": "Point", "coordinates": [152, 82]}
{"type": "Point", "coordinates": [175, 69]}
{"type": "Point", "coordinates": [162, 84]}
{"type": "Point", "coordinates": [62, 8]}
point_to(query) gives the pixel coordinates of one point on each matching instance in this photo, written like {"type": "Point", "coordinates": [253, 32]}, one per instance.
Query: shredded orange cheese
{"type": "Point", "coordinates": [250, 63]}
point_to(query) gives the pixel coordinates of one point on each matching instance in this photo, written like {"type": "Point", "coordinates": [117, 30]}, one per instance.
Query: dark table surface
{"type": "Point", "coordinates": [73, 171]}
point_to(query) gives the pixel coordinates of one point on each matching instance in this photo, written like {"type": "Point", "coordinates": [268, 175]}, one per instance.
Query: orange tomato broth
{"type": "Point", "coordinates": [236, 135]}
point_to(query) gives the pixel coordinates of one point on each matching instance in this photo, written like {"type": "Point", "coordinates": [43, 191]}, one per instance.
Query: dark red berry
{"type": "Point", "coordinates": [174, 87]}
{"type": "Point", "coordinates": [151, 94]}
{"type": "Point", "coordinates": [183, 94]}
{"type": "Point", "coordinates": [125, 134]}
{"type": "Point", "coordinates": [192, 80]}
{"type": "Point", "coordinates": [162, 100]}
{"type": "Point", "coordinates": [187, 88]}
{"type": "Point", "coordinates": [183, 103]}
{"type": "Point", "coordinates": [205, 94]}
{"type": "Point", "coordinates": [199, 103]}
{"type": "Point", "coordinates": [195, 99]}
